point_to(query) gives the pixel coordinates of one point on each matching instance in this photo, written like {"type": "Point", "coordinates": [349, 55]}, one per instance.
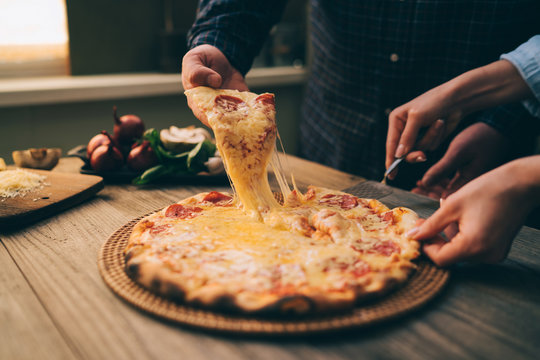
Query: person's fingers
{"type": "Point", "coordinates": [445, 253]}
{"type": "Point", "coordinates": [409, 134]}
{"type": "Point", "coordinates": [396, 121]}
{"type": "Point", "coordinates": [420, 188]}
{"type": "Point", "coordinates": [197, 72]}
{"type": "Point", "coordinates": [431, 192]}
{"type": "Point", "coordinates": [432, 138]}
{"type": "Point", "coordinates": [444, 182]}
{"type": "Point", "coordinates": [455, 184]}
{"type": "Point", "coordinates": [415, 157]}
{"type": "Point", "coordinates": [235, 82]}
{"type": "Point", "coordinates": [419, 191]}
{"type": "Point", "coordinates": [439, 130]}
{"type": "Point", "coordinates": [451, 230]}
{"type": "Point", "coordinates": [433, 245]}
{"type": "Point", "coordinates": [436, 223]}
{"type": "Point", "coordinates": [444, 168]}
{"type": "Point", "coordinates": [435, 193]}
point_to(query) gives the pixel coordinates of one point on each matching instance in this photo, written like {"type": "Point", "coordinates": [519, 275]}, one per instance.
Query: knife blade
{"type": "Point", "coordinates": [438, 131]}
{"type": "Point", "coordinates": [392, 167]}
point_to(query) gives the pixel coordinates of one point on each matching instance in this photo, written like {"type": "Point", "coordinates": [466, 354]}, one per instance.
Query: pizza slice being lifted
{"type": "Point", "coordinates": [244, 126]}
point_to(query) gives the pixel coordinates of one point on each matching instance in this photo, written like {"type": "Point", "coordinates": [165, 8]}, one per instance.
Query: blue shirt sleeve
{"type": "Point", "coordinates": [526, 59]}
{"type": "Point", "coordinates": [236, 27]}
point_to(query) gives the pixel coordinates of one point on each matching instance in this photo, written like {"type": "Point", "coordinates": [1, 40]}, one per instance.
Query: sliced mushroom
{"type": "Point", "coordinates": [215, 165]}
{"type": "Point", "coordinates": [178, 140]}
{"type": "Point", "coordinates": [42, 158]}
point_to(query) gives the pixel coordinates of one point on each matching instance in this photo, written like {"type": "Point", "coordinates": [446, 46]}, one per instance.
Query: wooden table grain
{"type": "Point", "coordinates": [54, 304]}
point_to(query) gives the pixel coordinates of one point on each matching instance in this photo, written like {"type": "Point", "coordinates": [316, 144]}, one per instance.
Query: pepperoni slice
{"type": "Point", "coordinates": [159, 229]}
{"type": "Point", "coordinates": [217, 198]}
{"type": "Point", "coordinates": [310, 194]}
{"type": "Point", "coordinates": [360, 268]}
{"type": "Point", "coordinates": [182, 212]}
{"type": "Point", "coordinates": [388, 217]}
{"type": "Point", "coordinates": [346, 202]}
{"type": "Point", "coordinates": [386, 248]}
{"type": "Point", "coordinates": [227, 102]}
{"type": "Point", "coordinates": [266, 99]}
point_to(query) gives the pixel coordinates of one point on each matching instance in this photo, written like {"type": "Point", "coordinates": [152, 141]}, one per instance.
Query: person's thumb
{"type": "Point", "coordinates": [200, 75]}
{"type": "Point", "coordinates": [213, 80]}
{"type": "Point", "coordinates": [196, 73]}
{"type": "Point", "coordinates": [435, 224]}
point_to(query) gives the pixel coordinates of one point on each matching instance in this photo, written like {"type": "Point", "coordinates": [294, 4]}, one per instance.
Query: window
{"type": "Point", "coordinates": [33, 38]}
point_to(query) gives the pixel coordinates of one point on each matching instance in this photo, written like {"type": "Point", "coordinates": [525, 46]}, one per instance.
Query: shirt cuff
{"type": "Point", "coordinates": [526, 59]}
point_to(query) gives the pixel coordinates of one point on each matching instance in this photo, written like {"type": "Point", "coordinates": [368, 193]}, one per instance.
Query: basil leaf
{"type": "Point", "coordinates": [151, 174]}
{"type": "Point", "coordinates": [199, 155]}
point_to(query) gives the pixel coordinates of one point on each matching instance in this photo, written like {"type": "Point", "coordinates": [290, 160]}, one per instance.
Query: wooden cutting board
{"type": "Point", "coordinates": [62, 190]}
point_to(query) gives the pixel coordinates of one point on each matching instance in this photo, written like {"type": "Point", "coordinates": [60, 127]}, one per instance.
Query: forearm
{"type": "Point", "coordinates": [522, 176]}
{"type": "Point", "coordinates": [494, 84]}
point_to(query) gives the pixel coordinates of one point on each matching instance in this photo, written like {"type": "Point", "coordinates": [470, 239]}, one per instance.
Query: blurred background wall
{"type": "Point", "coordinates": [142, 36]}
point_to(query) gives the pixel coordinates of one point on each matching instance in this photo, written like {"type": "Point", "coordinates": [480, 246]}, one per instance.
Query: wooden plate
{"type": "Point", "coordinates": [423, 285]}
{"type": "Point", "coordinates": [60, 192]}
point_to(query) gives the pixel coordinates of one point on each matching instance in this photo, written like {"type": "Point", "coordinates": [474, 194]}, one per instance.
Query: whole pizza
{"type": "Point", "coordinates": [245, 251]}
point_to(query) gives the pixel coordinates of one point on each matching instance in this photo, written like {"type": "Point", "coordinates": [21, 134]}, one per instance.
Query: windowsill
{"type": "Point", "coordinates": [62, 89]}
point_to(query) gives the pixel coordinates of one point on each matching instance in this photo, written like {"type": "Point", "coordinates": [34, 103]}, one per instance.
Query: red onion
{"type": "Point", "coordinates": [100, 139]}
{"type": "Point", "coordinates": [141, 157]}
{"type": "Point", "coordinates": [106, 158]}
{"type": "Point", "coordinates": [127, 128]}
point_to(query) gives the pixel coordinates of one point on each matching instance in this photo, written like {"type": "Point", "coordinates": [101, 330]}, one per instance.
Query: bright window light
{"type": "Point", "coordinates": [33, 37]}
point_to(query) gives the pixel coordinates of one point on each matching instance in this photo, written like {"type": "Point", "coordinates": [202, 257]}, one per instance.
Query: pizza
{"type": "Point", "coordinates": [314, 252]}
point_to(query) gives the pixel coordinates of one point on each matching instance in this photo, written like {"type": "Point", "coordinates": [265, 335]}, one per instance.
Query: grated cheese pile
{"type": "Point", "coordinates": [19, 182]}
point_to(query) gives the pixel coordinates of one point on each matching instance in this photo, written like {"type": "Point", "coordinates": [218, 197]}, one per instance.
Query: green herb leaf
{"type": "Point", "coordinates": [151, 174]}
{"type": "Point", "coordinates": [186, 163]}
{"type": "Point", "coordinates": [199, 155]}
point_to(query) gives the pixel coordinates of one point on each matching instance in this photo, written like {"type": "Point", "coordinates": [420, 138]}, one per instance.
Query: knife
{"type": "Point", "coordinates": [392, 167]}
{"type": "Point", "coordinates": [421, 133]}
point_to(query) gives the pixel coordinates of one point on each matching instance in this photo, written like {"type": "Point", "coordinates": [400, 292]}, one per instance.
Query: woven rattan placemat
{"type": "Point", "coordinates": [426, 282]}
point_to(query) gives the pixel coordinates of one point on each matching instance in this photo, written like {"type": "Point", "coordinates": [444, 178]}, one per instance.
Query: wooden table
{"type": "Point", "coordinates": [54, 304]}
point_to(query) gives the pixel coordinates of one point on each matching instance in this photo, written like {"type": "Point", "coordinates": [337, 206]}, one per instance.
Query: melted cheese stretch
{"type": "Point", "coordinates": [245, 130]}
{"type": "Point", "coordinates": [277, 168]}
{"type": "Point", "coordinates": [18, 182]}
